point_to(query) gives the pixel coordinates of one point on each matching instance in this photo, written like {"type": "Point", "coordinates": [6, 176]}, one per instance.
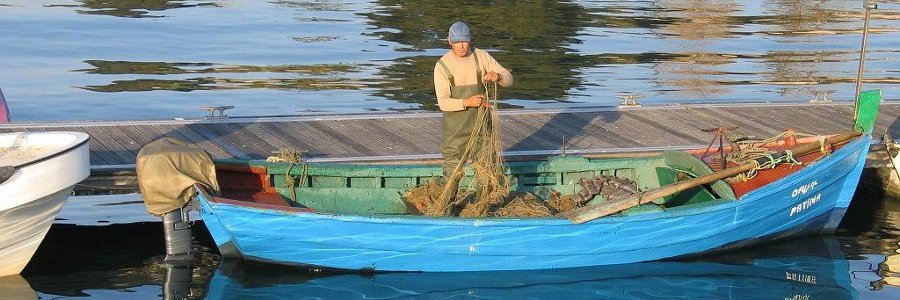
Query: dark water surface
{"type": "Point", "coordinates": [124, 261]}
{"type": "Point", "coordinates": [90, 59]}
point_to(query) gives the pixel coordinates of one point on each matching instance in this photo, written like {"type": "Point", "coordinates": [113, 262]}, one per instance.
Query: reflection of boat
{"type": "Point", "coordinates": [353, 217]}
{"type": "Point", "coordinates": [891, 180]}
{"type": "Point", "coordinates": [115, 261]}
{"type": "Point", "coordinates": [38, 171]}
{"type": "Point", "coordinates": [740, 276]}
{"type": "Point", "coordinates": [889, 269]}
{"type": "Point", "coordinates": [14, 287]}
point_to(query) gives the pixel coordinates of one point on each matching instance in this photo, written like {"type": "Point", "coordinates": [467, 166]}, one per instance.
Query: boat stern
{"type": "Point", "coordinates": [223, 239]}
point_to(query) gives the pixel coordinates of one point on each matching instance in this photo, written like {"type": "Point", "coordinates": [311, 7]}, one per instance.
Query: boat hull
{"type": "Point", "coordinates": [809, 201]}
{"type": "Point", "coordinates": [25, 227]}
{"type": "Point", "coordinates": [47, 166]}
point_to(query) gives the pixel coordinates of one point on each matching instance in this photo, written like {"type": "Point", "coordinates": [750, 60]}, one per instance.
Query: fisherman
{"type": "Point", "coordinates": [458, 83]}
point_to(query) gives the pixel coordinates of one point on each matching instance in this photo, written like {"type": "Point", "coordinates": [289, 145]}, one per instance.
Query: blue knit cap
{"type": "Point", "coordinates": [459, 32]}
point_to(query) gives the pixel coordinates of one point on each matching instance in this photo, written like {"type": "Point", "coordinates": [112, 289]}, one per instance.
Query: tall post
{"type": "Point", "coordinates": [870, 5]}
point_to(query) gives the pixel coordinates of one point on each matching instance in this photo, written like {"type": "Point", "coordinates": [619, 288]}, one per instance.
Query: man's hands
{"type": "Point", "coordinates": [476, 101]}
{"type": "Point", "coordinates": [479, 100]}
{"type": "Point", "coordinates": [491, 77]}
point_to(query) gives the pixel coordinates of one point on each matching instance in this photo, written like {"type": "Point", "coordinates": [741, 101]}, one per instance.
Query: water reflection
{"type": "Point", "coordinates": [377, 54]}
{"type": "Point", "coordinates": [117, 261]}
{"type": "Point", "coordinates": [14, 287]}
{"type": "Point", "coordinates": [812, 17]}
{"type": "Point", "coordinates": [783, 272]}
{"type": "Point", "coordinates": [698, 70]}
{"type": "Point", "coordinates": [163, 68]}
{"type": "Point", "coordinates": [889, 270]}
{"type": "Point", "coordinates": [314, 77]}
{"type": "Point", "coordinates": [136, 8]}
{"type": "Point", "coordinates": [870, 235]}
{"type": "Point", "coordinates": [534, 45]}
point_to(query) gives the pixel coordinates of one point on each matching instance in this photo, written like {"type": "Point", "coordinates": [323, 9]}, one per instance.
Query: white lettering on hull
{"type": "Point", "coordinates": [806, 204]}
{"type": "Point", "coordinates": [804, 278]}
{"type": "Point", "coordinates": [798, 297]}
{"type": "Point", "coordinates": [802, 190]}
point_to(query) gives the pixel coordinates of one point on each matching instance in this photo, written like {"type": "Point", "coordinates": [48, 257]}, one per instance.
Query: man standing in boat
{"type": "Point", "coordinates": [458, 83]}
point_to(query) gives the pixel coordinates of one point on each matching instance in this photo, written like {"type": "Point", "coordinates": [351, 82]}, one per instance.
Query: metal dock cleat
{"type": "Point", "coordinates": [211, 111]}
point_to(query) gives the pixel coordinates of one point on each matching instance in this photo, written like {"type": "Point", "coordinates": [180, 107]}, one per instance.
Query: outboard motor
{"type": "Point", "coordinates": [4, 112]}
{"type": "Point", "coordinates": [178, 235]}
{"type": "Point", "coordinates": [177, 284]}
{"type": "Point", "coordinates": [167, 170]}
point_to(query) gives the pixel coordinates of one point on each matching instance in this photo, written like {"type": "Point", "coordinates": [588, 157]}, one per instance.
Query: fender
{"type": "Point", "coordinates": [4, 112]}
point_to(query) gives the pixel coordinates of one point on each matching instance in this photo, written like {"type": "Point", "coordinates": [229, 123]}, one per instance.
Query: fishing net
{"type": "Point", "coordinates": [489, 182]}
{"type": "Point", "coordinates": [516, 204]}
{"type": "Point", "coordinates": [487, 193]}
{"type": "Point", "coordinates": [523, 205]}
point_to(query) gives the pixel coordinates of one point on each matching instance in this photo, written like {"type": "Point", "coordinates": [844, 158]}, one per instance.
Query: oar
{"type": "Point", "coordinates": [587, 213]}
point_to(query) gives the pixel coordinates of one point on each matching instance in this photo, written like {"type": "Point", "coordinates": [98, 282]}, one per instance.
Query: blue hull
{"type": "Point", "coordinates": [809, 201]}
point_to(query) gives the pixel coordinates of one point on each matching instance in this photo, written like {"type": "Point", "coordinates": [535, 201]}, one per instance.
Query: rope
{"type": "Point", "coordinates": [822, 148]}
{"type": "Point", "coordinates": [752, 151]}
{"type": "Point", "coordinates": [789, 157]}
{"type": "Point", "coordinates": [292, 157]}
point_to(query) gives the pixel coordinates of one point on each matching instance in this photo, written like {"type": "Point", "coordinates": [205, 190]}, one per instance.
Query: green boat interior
{"type": "Point", "coordinates": [380, 189]}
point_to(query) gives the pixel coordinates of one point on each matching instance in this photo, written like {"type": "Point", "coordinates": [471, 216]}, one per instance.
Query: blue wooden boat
{"type": "Point", "coordinates": [353, 216]}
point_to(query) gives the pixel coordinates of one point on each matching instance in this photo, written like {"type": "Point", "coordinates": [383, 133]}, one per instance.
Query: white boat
{"type": "Point", "coordinates": [42, 170]}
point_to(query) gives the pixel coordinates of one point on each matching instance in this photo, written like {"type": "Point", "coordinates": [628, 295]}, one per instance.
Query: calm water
{"type": "Point", "coordinates": [123, 261]}
{"type": "Point", "coordinates": [82, 60]}
{"type": "Point", "coordinates": [79, 60]}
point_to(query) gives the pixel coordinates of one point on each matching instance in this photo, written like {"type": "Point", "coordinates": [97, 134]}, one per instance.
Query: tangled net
{"type": "Point", "coordinates": [487, 194]}
{"type": "Point", "coordinates": [516, 204]}
{"type": "Point", "coordinates": [490, 183]}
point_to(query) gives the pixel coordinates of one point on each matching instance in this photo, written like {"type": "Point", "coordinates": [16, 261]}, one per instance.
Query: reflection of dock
{"type": "Point", "coordinates": [416, 136]}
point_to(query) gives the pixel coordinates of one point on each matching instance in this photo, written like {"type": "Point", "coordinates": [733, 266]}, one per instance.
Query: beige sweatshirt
{"type": "Point", "coordinates": [463, 70]}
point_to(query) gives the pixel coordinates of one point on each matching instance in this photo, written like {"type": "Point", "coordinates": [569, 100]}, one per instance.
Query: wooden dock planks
{"type": "Point", "coordinates": [116, 144]}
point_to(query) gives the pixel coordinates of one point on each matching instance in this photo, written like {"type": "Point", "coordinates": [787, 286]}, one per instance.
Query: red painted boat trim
{"type": "Point", "coordinates": [244, 177]}
{"type": "Point", "coordinates": [4, 111]}
{"type": "Point", "coordinates": [767, 176]}
{"type": "Point", "coordinates": [283, 208]}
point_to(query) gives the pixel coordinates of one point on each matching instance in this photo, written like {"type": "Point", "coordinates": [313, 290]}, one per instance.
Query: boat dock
{"type": "Point", "coordinates": [416, 135]}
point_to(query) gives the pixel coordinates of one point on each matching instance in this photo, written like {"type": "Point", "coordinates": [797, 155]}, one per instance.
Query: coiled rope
{"type": "Point", "coordinates": [292, 157]}
{"type": "Point", "coordinates": [752, 151]}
